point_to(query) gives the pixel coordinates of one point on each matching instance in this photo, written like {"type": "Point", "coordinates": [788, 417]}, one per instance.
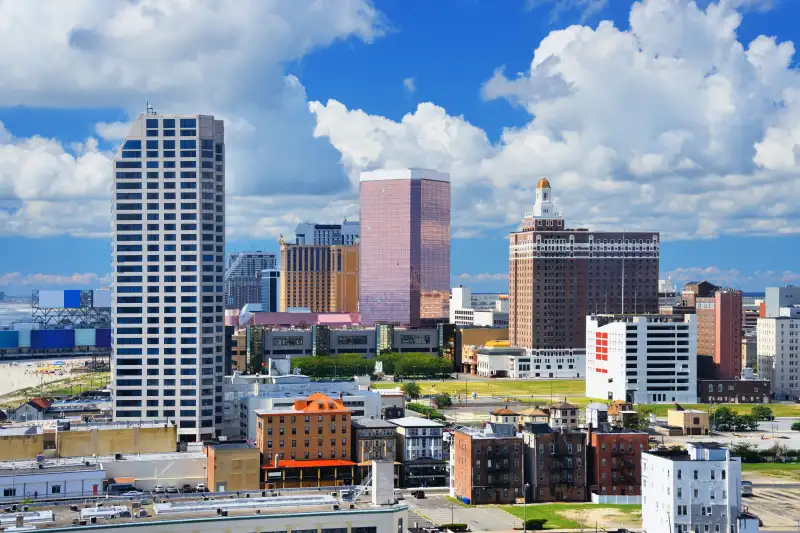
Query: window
{"type": "Point", "coordinates": [55, 489]}
{"type": "Point", "coordinates": [695, 474]}
{"type": "Point", "coordinates": [9, 492]}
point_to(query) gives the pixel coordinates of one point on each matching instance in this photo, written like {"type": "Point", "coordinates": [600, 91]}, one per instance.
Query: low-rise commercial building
{"type": "Point", "coordinates": [421, 448]}
{"type": "Point", "coordinates": [733, 390]}
{"type": "Point", "coordinates": [488, 464]}
{"type": "Point", "coordinates": [308, 444]}
{"type": "Point", "coordinates": [61, 479]}
{"type": "Point", "coordinates": [298, 512]}
{"type": "Point", "coordinates": [374, 440]}
{"type": "Point", "coordinates": [615, 462]}
{"type": "Point", "coordinates": [233, 466]}
{"type": "Point", "coordinates": [694, 490]}
{"type": "Point", "coordinates": [690, 421]}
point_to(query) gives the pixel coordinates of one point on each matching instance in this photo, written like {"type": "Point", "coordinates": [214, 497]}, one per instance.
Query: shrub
{"type": "Point", "coordinates": [455, 527]}
{"type": "Point", "coordinates": [795, 426]}
{"type": "Point", "coordinates": [432, 413]}
{"type": "Point", "coordinates": [535, 524]}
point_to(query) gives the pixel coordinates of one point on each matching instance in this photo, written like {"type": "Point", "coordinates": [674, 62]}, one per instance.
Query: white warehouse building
{"type": "Point", "coordinates": [642, 358]}
{"type": "Point", "coordinates": [694, 491]}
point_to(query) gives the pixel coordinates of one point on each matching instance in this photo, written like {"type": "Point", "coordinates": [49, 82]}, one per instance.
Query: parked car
{"type": "Point", "coordinates": [418, 494]}
{"type": "Point", "coordinates": [159, 489]}
{"type": "Point", "coordinates": [747, 488]}
{"type": "Point", "coordinates": [398, 495]}
{"type": "Point", "coordinates": [172, 489]}
{"type": "Point", "coordinates": [200, 487]}
{"type": "Point", "coordinates": [187, 488]}
{"type": "Point", "coordinates": [131, 493]}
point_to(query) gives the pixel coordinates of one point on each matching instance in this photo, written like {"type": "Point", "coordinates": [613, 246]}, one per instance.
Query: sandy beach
{"type": "Point", "coordinates": [16, 376]}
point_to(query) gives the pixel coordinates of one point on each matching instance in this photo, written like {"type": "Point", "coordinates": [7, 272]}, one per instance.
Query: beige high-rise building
{"type": "Point", "coordinates": [321, 278]}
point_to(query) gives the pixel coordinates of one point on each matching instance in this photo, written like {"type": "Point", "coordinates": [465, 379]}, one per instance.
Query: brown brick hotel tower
{"type": "Point", "coordinates": [557, 276]}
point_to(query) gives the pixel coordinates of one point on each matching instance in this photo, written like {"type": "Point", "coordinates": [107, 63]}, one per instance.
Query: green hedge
{"type": "Point", "coordinates": [350, 364]}
{"type": "Point", "coordinates": [455, 527]}
{"type": "Point", "coordinates": [425, 410]}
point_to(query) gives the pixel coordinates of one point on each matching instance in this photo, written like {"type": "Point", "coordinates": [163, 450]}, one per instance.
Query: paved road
{"type": "Point", "coordinates": [440, 510]}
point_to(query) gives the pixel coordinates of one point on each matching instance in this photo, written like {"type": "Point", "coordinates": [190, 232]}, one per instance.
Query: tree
{"type": "Point", "coordinates": [641, 420]}
{"type": "Point", "coordinates": [581, 520]}
{"type": "Point", "coordinates": [745, 423]}
{"type": "Point", "coordinates": [748, 452]}
{"type": "Point", "coordinates": [411, 390]}
{"type": "Point", "coordinates": [795, 426]}
{"type": "Point", "coordinates": [442, 400]}
{"type": "Point", "coordinates": [723, 419]}
{"type": "Point", "coordinates": [762, 412]}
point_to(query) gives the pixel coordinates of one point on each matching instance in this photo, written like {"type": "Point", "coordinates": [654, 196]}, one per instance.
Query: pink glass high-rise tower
{"type": "Point", "coordinates": [404, 246]}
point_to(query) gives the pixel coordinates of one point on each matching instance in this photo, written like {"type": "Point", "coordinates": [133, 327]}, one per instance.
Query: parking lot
{"type": "Point", "coordinates": [776, 507]}
{"type": "Point", "coordinates": [439, 510]}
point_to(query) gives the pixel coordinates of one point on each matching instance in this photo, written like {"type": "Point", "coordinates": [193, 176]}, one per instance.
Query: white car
{"type": "Point", "coordinates": [159, 489]}
{"type": "Point", "coordinates": [132, 493]}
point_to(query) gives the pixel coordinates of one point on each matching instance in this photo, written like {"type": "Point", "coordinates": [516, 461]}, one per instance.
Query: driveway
{"type": "Point", "coordinates": [440, 510]}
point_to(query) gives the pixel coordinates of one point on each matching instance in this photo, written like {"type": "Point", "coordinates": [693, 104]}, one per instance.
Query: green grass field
{"type": "Point", "coordinates": [58, 388]}
{"type": "Point", "coordinates": [554, 512]}
{"type": "Point", "coordinates": [782, 470]}
{"type": "Point", "coordinates": [498, 388]}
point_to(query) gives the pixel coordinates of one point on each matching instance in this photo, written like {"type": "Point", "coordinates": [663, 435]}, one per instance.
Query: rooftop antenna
{"type": "Point", "coordinates": [623, 272]}
{"type": "Point", "coordinates": [150, 110]}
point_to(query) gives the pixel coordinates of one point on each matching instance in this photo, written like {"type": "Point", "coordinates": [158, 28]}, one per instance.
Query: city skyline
{"type": "Point", "coordinates": [305, 130]}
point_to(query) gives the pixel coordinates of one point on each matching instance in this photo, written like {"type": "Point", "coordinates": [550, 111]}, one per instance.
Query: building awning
{"type": "Point", "coordinates": [123, 480]}
{"type": "Point", "coordinates": [317, 463]}
{"type": "Point", "coordinates": [369, 463]}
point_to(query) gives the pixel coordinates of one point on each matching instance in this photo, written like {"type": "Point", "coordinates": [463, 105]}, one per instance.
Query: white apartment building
{"type": "Point", "coordinates": [642, 358]}
{"type": "Point", "coordinates": [168, 264]}
{"type": "Point", "coordinates": [694, 491]}
{"type": "Point", "coordinates": [778, 351]}
{"type": "Point", "coordinates": [243, 394]}
{"type": "Point", "coordinates": [468, 309]}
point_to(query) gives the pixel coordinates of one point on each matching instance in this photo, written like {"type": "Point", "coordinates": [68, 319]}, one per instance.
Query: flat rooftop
{"type": "Point", "coordinates": [79, 463]}
{"type": "Point", "coordinates": [415, 422]}
{"type": "Point", "coordinates": [119, 512]}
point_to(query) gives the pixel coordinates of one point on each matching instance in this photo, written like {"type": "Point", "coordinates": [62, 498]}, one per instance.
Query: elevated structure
{"type": "Point", "coordinates": [71, 309]}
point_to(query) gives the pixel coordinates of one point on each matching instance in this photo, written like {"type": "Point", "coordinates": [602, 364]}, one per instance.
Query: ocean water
{"type": "Point", "coordinates": [14, 310]}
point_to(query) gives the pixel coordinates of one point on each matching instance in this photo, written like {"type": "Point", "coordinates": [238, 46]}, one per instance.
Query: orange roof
{"type": "Point", "coordinates": [41, 403]}
{"type": "Point", "coordinates": [504, 411]}
{"type": "Point", "coordinates": [311, 463]}
{"type": "Point", "coordinates": [319, 402]}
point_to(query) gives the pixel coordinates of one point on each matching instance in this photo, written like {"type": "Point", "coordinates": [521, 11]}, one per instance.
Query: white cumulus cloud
{"type": "Point", "coordinates": [673, 125]}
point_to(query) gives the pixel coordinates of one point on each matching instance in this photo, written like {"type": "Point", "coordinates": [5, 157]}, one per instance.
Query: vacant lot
{"type": "Point", "coordinates": [783, 470]}
{"type": "Point", "coordinates": [499, 388]}
{"type": "Point", "coordinates": [569, 515]}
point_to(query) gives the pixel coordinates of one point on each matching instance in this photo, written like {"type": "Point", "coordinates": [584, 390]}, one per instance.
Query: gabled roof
{"type": "Point", "coordinates": [563, 405]}
{"type": "Point", "coordinates": [533, 411]}
{"type": "Point", "coordinates": [504, 411]}
{"type": "Point", "coordinates": [40, 403]}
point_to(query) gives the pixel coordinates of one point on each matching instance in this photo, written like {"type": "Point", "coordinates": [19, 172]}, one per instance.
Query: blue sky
{"type": "Point", "coordinates": [648, 121]}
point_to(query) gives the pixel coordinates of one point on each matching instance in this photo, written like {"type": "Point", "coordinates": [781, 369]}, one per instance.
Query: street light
{"type": "Point", "coordinates": [525, 508]}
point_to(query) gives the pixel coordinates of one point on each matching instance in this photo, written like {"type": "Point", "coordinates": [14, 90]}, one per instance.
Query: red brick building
{"type": "Point", "coordinates": [555, 464]}
{"type": "Point", "coordinates": [488, 464]}
{"type": "Point", "coordinates": [615, 462]}
{"type": "Point", "coordinates": [558, 275]}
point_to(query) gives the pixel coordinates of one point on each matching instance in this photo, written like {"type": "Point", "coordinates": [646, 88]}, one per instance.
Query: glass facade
{"type": "Point", "coordinates": [404, 247]}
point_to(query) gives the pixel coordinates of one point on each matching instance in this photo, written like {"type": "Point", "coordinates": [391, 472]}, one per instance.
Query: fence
{"type": "Point", "coordinates": [615, 499]}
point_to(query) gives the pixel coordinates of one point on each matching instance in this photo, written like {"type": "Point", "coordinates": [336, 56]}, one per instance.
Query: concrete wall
{"type": "Point", "coordinates": [49, 483]}
{"type": "Point", "coordinates": [16, 447]}
{"type": "Point", "coordinates": [233, 470]}
{"type": "Point", "coordinates": [385, 520]}
{"type": "Point", "coordinates": [166, 469]}
{"type": "Point", "coordinates": [123, 440]}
